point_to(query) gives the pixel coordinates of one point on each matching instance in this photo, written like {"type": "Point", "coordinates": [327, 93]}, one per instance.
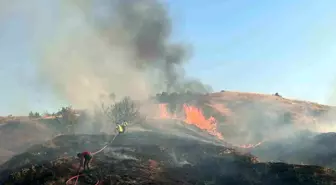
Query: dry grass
{"type": "Point", "coordinates": [232, 103]}
{"type": "Point", "coordinates": [18, 131]}
{"type": "Point", "coordinates": [16, 136]}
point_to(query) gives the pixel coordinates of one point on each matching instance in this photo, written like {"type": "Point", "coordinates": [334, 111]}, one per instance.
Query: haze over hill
{"type": "Point", "coordinates": [242, 119]}
{"type": "Point", "coordinates": [118, 61]}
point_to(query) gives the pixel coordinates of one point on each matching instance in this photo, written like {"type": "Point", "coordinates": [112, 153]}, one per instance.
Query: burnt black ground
{"type": "Point", "coordinates": [153, 158]}
{"type": "Point", "coordinates": [306, 148]}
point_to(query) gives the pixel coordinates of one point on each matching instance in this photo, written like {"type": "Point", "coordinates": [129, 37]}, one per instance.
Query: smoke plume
{"type": "Point", "coordinates": [119, 46]}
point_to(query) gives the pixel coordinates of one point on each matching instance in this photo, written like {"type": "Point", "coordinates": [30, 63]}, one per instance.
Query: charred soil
{"type": "Point", "coordinates": [152, 158]}
{"type": "Point", "coordinates": [307, 148]}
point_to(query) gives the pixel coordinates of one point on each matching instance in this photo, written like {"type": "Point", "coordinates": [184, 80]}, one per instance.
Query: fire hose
{"type": "Point", "coordinates": [78, 175]}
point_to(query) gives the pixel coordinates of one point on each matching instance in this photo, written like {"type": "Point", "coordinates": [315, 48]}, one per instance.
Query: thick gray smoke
{"type": "Point", "coordinates": [147, 27]}
{"type": "Point", "coordinates": [120, 46]}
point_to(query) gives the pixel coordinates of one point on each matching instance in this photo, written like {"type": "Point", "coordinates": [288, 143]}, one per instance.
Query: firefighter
{"type": "Point", "coordinates": [121, 128]}
{"type": "Point", "coordinates": [85, 159]}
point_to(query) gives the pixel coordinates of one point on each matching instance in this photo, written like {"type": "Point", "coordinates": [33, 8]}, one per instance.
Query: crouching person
{"type": "Point", "coordinates": [85, 159]}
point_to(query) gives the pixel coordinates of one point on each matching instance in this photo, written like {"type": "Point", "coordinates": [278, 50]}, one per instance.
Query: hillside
{"type": "Point", "coordinates": [305, 148]}
{"type": "Point", "coordinates": [272, 128]}
{"type": "Point", "coordinates": [240, 118]}
{"type": "Point", "coordinates": [150, 158]}
{"type": "Point", "coordinates": [256, 117]}
{"type": "Point", "coordinates": [16, 136]}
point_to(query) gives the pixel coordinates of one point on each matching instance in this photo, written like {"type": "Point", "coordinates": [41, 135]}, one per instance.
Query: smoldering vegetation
{"type": "Point", "coordinates": [156, 161]}
{"type": "Point", "coordinates": [307, 148]}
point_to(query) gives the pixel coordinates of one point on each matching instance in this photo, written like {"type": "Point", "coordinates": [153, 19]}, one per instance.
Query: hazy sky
{"type": "Point", "coordinates": [263, 46]}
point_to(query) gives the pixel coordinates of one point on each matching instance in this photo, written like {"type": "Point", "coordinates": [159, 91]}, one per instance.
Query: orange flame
{"type": "Point", "coordinates": [164, 114]}
{"type": "Point", "coordinates": [194, 116]}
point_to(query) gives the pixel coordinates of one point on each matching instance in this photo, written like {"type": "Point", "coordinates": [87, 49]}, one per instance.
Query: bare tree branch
{"type": "Point", "coordinates": [125, 110]}
{"type": "Point", "coordinates": [68, 118]}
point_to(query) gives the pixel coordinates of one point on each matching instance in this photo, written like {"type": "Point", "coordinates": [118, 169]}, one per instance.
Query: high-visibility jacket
{"type": "Point", "coordinates": [121, 128]}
